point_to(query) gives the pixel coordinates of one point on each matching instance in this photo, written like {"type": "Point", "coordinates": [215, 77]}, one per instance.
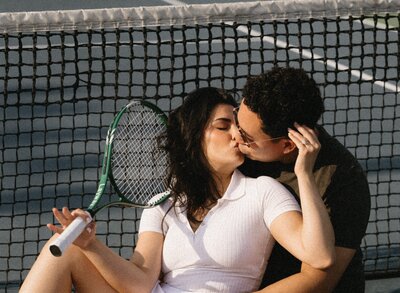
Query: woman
{"type": "Point", "coordinates": [216, 232]}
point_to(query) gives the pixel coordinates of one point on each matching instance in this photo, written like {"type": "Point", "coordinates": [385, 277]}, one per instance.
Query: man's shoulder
{"type": "Point", "coordinates": [332, 151]}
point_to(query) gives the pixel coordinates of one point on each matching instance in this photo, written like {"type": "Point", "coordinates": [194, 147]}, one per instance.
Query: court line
{"type": "Point", "coordinates": [331, 63]}
{"type": "Point", "coordinates": [308, 54]}
{"type": "Point", "coordinates": [305, 54]}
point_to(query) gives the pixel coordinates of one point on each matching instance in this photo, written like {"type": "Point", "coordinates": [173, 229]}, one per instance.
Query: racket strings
{"type": "Point", "coordinates": [139, 165]}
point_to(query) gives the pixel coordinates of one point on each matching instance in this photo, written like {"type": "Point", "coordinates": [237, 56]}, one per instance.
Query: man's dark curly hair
{"type": "Point", "coordinates": [282, 96]}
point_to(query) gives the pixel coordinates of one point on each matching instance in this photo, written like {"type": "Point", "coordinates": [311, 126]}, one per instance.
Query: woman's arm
{"type": "Point", "coordinates": [137, 275]}
{"type": "Point", "coordinates": [309, 237]}
{"type": "Point", "coordinates": [311, 280]}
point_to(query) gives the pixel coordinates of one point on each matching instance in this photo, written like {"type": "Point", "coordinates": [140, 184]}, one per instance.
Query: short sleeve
{"type": "Point", "coordinates": [277, 199]}
{"type": "Point", "coordinates": [152, 220]}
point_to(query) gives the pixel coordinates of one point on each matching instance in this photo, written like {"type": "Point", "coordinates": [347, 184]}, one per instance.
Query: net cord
{"type": "Point", "coordinates": [62, 20]}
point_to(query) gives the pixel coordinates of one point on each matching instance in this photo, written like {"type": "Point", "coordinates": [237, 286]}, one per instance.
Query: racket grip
{"type": "Point", "coordinates": [59, 245]}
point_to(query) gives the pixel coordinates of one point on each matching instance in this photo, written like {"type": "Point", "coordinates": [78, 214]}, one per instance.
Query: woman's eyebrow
{"type": "Point", "coordinates": [222, 119]}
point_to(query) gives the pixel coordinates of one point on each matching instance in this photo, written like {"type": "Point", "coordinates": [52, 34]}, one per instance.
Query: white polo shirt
{"type": "Point", "coordinates": [230, 249]}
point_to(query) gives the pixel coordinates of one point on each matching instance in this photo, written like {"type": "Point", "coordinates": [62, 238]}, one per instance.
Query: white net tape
{"type": "Point", "coordinates": [188, 14]}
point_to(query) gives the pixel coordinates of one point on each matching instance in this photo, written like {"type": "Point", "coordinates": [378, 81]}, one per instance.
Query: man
{"type": "Point", "coordinates": [272, 103]}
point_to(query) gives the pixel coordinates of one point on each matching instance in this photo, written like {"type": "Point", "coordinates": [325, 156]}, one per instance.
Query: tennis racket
{"type": "Point", "coordinates": [133, 163]}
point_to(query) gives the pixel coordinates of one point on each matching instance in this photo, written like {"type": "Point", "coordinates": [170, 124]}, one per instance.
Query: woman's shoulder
{"type": "Point", "coordinates": [263, 181]}
{"type": "Point", "coordinates": [260, 186]}
{"type": "Point", "coordinates": [160, 208]}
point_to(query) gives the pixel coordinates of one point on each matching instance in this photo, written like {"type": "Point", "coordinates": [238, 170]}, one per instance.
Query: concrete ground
{"type": "Point", "coordinates": [383, 286]}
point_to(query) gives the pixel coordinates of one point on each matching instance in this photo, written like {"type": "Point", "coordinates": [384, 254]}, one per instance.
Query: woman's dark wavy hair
{"type": "Point", "coordinates": [282, 96]}
{"type": "Point", "coordinates": [190, 175]}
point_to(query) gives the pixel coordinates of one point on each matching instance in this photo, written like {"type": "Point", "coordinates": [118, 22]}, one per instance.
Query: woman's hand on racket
{"type": "Point", "coordinates": [308, 145]}
{"type": "Point", "coordinates": [65, 217]}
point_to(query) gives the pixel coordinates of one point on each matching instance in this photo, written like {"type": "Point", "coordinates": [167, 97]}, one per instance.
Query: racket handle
{"type": "Point", "coordinates": [59, 245]}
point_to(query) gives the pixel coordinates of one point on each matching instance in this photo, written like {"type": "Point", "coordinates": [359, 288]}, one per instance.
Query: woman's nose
{"type": "Point", "coordinates": [236, 135]}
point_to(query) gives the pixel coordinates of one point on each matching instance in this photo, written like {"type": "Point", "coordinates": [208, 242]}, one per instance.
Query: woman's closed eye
{"type": "Point", "coordinates": [223, 127]}
{"type": "Point", "coordinates": [222, 124]}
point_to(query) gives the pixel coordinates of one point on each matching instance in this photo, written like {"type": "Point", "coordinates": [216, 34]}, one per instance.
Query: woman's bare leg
{"type": "Point", "coordinates": [57, 274]}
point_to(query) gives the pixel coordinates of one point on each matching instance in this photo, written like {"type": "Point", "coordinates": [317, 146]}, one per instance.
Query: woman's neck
{"type": "Point", "coordinates": [222, 181]}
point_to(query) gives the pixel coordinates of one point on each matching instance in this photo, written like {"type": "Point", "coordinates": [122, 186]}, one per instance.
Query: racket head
{"type": "Point", "coordinates": [138, 163]}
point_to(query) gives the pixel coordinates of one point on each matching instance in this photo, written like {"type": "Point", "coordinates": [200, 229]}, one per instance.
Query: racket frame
{"type": "Point", "coordinates": [60, 244]}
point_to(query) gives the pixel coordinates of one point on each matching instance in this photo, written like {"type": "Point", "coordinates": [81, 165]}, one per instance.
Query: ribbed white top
{"type": "Point", "coordinates": [230, 249]}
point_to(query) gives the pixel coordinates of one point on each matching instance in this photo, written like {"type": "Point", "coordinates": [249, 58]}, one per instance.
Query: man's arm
{"type": "Point", "coordinates": [310, 280]}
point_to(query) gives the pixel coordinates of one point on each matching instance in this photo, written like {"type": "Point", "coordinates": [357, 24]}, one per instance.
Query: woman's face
{"type": "Point", "coordinates": [219, 144]}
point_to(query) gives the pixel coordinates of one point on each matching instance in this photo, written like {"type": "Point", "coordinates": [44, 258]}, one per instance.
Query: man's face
{"type": "Point", "coordinates": [254, 143]}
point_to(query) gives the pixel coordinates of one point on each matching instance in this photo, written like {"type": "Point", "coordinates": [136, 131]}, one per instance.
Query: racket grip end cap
{"type": "Point", "coordinates": [55, 250]}
{"type": "Point", "coordinates": [60, 244]}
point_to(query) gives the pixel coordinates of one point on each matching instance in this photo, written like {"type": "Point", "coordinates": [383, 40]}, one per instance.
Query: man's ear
{"type": "Point", "coordinates": [289, 146]}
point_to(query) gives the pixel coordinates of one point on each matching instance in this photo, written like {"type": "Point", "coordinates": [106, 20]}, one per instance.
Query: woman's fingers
{"type": "Point", "coordinates": [308, 145]}
{"type": "Point", "coordinates": [309, 136]}
{"type": "Point", "coordinates": [67, 214]}
{"type": "Point", "coordinates": [304, 137]}
{"type": "Point", "coordinates": [91, 228]}
{"type": "Point", "coordinates": [83, 214]}
{"type": "Point", "coordinates": [301, 141]}
{"type": "Point", "coordinates": [55, 229]}
{"type": "Point", "coordinates": [295, 138]}
{"type": "Point", "coordinates": [65, 217]}
{"type": "Point", "coordinates": [60, 216]}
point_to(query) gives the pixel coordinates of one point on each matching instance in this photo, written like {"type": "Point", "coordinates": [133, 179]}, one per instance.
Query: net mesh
{"type": "Point", "coordinates": [61, 85]}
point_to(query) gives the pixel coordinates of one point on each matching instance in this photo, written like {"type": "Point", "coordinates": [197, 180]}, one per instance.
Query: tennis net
{"type": "Point", "coordinates": [64, 74]}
